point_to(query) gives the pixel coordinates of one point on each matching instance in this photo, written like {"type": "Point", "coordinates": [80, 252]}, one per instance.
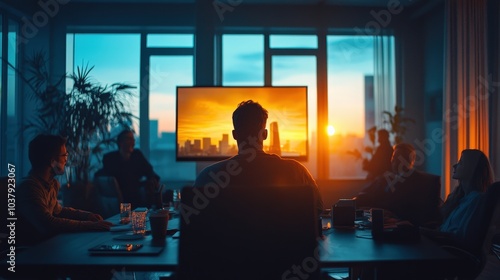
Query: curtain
{"type": "Point", "coordinates": [384, 86]}
{"type": "Point", "coordinates": [465, 119]}
{"type": "Point", "coordinates": [494, 36]}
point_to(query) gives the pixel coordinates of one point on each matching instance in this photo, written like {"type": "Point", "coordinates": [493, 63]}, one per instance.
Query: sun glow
{"type": "Point", "coordinates": [330, 130]}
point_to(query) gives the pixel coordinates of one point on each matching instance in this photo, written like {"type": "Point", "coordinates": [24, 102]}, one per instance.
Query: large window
{"type": "Point", "coordinates": [117, 58]}
{"type": "Point", "coordinates": [9, 116]}
{"type": "Point", "coordinates": [245, 60]}
{"type": "Point", "coordinates": [300, 70]}
{"type": "Point", "coordinates": [350, 101]}
{"type": "Point", "coordinates": [361, 86]}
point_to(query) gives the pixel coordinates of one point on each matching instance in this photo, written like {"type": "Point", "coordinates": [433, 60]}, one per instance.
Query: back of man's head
{"type": "Point", "coordinates": [249, 119]}
{"type": "Point", "coordinates": [43, 148]}
{"type": "Point", "coordinates": [403, 157]}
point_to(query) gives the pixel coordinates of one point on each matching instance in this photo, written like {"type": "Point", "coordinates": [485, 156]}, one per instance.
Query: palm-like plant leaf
{"type": "Point", "coordinates": [84, 114]}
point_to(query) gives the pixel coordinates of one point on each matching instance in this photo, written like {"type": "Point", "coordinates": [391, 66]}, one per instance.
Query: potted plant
{"type": "Point", "coordinates": [397, 122]}
{"type": "Point", "coordinates": [85, 113]}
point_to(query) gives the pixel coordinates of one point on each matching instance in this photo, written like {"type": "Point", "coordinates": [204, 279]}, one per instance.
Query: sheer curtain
{"type": "Point", "coordinates": [465, 119]}
{"type": "Point", "coordinates": [384, 86]}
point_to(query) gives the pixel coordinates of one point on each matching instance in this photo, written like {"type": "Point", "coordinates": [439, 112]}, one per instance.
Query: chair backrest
{"type": "Point", "coordinates": [247, 233]}
{"type": "Point", "coordinates": [108, 196]}
{"type": "Point", "coordinates": [485, 222]}
{"type": "Point", "coordinates": [492, 216]}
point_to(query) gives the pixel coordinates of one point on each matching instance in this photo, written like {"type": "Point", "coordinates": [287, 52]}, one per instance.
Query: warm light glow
{"type": "Point", "coordinates": [206, 113]}
{"type": "Point", "coordinates": [330, 130]}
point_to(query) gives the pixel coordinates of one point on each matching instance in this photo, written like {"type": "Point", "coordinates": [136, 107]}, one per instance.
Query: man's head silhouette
{"type": "Point", "coordinates": [249, 121]}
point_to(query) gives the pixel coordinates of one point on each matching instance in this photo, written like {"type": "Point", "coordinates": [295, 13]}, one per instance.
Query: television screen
{"type": "Point", "coordinates": [204, 121]}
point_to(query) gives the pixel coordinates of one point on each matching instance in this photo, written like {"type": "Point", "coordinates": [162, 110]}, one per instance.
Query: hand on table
{"type": "Point", "coordinates": [94, 217]}
{"type": "Point", "coordinates": [99, 225]}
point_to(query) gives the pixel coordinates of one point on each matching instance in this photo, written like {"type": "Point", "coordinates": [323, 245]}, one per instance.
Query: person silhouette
{"type": "Point", "coordinates": [252, 166]}
{"type": "Point", "coordinates": [39, 213]}
{"type": "Point", "coordinates": [462, 207]}
{"type": "Point", "coordinates": [134, 174]}
{"type": "Point", "coordinates": [381, 160]}
{"type": "Point", "coordinates": [466, 210]}
{"type": "Point", "coordinates": [410, 194]}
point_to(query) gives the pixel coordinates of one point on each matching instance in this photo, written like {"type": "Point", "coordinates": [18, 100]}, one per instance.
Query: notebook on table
{"type": "Point", "coordinates": [130, 249]}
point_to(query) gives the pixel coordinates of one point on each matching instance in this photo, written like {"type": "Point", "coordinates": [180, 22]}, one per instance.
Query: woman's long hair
{"type": "Point", "coordinates": [482, 177]}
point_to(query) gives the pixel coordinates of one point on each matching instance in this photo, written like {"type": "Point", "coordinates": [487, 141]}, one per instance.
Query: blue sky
{"type": "Point", "coordinates": [116, 59]}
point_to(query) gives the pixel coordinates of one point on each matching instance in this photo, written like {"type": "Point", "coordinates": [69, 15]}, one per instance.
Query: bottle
{"type": "Point", "coordinates": [176, 199]}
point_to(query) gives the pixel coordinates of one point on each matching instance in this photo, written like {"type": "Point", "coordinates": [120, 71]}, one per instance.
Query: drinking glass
{"type": "Point", "coordinates": [125, 209]}
{"type": "Point", "coordinates": [67, 172]}
{"type": "Point", "coordinates": [139, 222]}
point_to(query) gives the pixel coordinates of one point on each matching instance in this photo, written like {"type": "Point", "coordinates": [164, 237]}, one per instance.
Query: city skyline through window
{"type": "Point", "coordinates": [349, 63]}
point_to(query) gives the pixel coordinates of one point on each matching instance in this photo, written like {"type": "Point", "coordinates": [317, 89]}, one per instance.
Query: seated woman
{"type": "Point", "coordinates": [463, 206]}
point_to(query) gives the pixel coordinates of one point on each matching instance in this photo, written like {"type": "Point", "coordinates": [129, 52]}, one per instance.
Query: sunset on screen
{"type": "Point", "coordinates": [205, 114]}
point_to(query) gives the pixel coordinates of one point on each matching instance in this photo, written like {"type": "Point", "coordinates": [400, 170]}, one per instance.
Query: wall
{"type": "Point", "coordinates": [433, 87]}
{"type": "Point", "coordinates": [421, 58]}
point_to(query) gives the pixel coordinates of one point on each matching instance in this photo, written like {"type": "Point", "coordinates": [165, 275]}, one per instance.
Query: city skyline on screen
{"type": "Point", "coordinates": [204, 119]}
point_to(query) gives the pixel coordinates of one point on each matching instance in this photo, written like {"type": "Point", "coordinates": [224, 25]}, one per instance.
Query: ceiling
{"type": "Point", "coordinates": [358, 3]}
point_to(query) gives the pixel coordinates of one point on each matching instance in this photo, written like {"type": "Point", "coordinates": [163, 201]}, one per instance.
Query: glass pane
{"type": "Point", "coordinates": [166, 73]}
{"type": "Point", "coordinates": [350, 102]}
{"type": "Point", "coordinates": [294, 41]}
{"type": "Point", "coordinates": [170, 40]}
{"type": "Point", "coordinates": [243, 60]}
{"type": "Point", "coordinates": [115, 58]}
{"type": "Point", "coordinates": [12, 138]}
{"type": "Point", "coordinates": [300, 71]}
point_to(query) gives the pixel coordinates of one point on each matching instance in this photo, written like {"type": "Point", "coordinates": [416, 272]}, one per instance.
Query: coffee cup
{"type": "Point", "coordinates": [158, 220]}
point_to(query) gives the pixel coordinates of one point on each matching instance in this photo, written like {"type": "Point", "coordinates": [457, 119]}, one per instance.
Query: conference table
{"type": "Point", "coordinates": [68, 252]}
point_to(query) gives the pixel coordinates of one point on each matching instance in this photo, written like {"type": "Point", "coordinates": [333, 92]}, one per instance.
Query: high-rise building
{"type": "Point", "coordinates": [207, 142]}
{"type": "Point", "coordinates": [153, 133]}
{"type": "Point", "coordinates": [187, 146]}
{"type": "Point", "coordinates": [275, 147]}
{"type": "Point", "coordinates": [224, 144]}
{"type": "Point", "coordinates": [196, 146]}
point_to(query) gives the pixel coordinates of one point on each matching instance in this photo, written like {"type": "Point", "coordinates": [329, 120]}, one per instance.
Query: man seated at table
{"type": "Point", "coordinates": [252, 166]}
{"type": "Point", "coordinates": [408, 193]}
{"type": "Point", "coordinates": [39, 214]}
{"type": "Point", "coordinates": [133, 172]}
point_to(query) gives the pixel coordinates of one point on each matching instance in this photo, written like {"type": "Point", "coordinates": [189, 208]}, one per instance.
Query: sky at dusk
{"type": "Point", "coordinates": [207, 112]}
{"type": "Point", "coordinates": [116, 59]}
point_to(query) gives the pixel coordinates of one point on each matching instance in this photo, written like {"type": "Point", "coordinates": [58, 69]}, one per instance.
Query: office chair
{"type": "Point", "coordinates": [481, 231]}
{"type": "Point", "coordinates": [248, 233]}
{"type": "Point", "coordinates": [108, 196]}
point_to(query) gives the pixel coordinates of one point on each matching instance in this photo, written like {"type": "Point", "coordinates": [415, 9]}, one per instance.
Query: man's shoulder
{"type": "Point", "coordinates": [29, 180]}
{"type": "Point", "coordinates": [111, 155]}
{"type": "Point", "coordinates": [29, 184]}
{"type": "Point", "coordinates": [294, 163]}
{"type": "Point", "coordinates": [230, 164]}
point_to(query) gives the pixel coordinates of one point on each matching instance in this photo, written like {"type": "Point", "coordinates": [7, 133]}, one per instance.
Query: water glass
{"type": "Point", "coordinates": [139, 222]}
{"type": "Point", "coordinates": [125, 209]}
